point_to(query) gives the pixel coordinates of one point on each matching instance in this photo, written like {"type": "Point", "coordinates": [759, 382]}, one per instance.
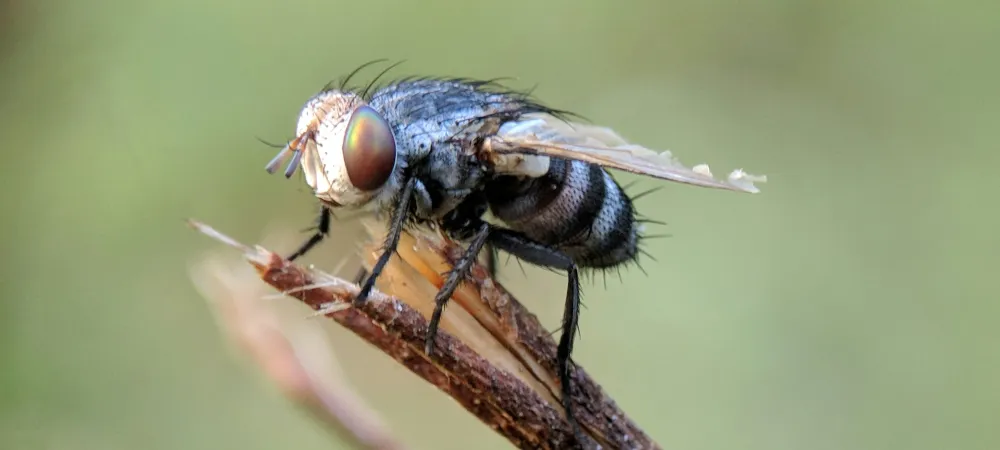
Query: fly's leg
{"type": "Point", "coordinates": [491, 261]}
{"type": "Point", "coordinates": [455, 276]}
{"type": "Point", "coordinates": [322, 230]}
{"type": "Point", "coordinates": [462, 223]}
{"type": "Point", "coordinates": [536, 253]}
{"type": "Point", "coordinates": [398, 220]}
{"type": "Point", "coordinates": [570, 324]}
{"type": "Point", "coordinates": [465, 223]}
{"type": "Point", "coordinates": [360, 276]}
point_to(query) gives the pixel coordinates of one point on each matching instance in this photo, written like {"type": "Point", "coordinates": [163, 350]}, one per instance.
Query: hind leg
{"type": "Point", "coordinates": [519, 245]}
{"type": "Point", "coordinates": [539, 254]}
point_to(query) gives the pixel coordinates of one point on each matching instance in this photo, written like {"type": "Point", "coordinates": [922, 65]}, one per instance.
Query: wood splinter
{"type": "Point", "coordinates": [492, 356]}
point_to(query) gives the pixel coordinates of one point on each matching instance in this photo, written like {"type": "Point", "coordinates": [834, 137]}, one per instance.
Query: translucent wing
{"type": "Point", "coordinates": [545, 135]}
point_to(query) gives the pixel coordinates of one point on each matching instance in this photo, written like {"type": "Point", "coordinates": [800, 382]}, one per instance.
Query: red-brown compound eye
{"type": "Point", "coordinates": [369, 149]}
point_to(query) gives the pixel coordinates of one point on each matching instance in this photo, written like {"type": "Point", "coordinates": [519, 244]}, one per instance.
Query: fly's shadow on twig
{"type": "Point", "coordinates": [493, 356]}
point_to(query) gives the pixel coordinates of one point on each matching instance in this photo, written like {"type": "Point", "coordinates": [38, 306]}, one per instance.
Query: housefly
{"type": "Point", "coordinates": [444, 152]}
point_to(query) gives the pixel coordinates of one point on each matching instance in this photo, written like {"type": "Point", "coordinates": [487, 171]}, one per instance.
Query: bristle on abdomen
{"type": "Point", "coordinates": [577, 208]}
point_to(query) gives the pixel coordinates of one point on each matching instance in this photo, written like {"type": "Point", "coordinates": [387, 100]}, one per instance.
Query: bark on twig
{"type": "Point", "coordinates": [296, 356]}
{"type": "Point", "coordinates": [492, 356]}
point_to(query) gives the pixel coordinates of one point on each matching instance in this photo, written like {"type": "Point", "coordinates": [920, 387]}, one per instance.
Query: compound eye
{"type": "Point", "coordinates": [369, 149]}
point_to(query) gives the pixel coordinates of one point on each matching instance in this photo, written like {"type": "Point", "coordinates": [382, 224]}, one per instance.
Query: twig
{"type": "Point", "coordinates": [296, 357]}
{"type": "Point", "coordinates": [528, 348]}
{"type": "Point", "coordinates": [492, 355]}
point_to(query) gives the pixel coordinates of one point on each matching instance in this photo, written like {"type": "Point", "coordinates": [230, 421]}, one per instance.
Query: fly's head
{"type": "Point", "coordinates": [345, 147]}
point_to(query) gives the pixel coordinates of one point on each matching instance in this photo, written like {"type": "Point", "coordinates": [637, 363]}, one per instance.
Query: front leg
{"type": "Point", "coordinates": [322, 230]}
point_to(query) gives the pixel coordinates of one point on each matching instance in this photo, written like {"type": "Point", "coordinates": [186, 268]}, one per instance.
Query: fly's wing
{"type": "Point", "coordinates": [546, 135]}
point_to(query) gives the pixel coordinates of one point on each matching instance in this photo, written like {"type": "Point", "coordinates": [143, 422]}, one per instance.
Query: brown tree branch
{"type": "Point", "coordinates": [296, 356]}
{"type": "Point", "coordinates": [492, 355]}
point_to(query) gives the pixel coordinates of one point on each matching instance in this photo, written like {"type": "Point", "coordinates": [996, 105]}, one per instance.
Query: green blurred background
{"type": "Point", "coordinates": [847, 306]}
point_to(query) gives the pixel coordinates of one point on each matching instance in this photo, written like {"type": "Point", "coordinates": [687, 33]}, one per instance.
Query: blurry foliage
{"type": "Point", "coordinates": [849, 305]}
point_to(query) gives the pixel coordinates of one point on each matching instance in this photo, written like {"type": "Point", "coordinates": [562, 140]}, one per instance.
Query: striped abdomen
{"type": "Point", "coordinates": [576, 208]}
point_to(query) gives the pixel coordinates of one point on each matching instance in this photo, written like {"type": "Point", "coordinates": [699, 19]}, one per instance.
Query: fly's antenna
{"type": "Point", "coordinates": [284, 154]}
{"type": "Point", "coordinates": [364, 94]}
{"type": "Point", "coordinates": [291, 151]}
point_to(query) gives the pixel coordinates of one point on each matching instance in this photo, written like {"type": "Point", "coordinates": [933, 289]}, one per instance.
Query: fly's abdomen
{"type": "Point", "coordinates": [576, 208]}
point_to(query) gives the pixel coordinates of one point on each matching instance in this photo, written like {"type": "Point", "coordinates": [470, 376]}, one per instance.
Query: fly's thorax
{"type": "Point", "coordinates": [350, 158]}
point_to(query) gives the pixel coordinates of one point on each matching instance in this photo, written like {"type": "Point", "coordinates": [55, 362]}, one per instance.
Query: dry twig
{"type": "Point", "coordinates": [296, 356]}
{"type": "Point", "coordinates": [492, 356]}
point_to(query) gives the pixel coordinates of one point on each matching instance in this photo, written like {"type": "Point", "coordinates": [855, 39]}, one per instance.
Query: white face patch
{"type": "Point", "coordinates": [326, 115]}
